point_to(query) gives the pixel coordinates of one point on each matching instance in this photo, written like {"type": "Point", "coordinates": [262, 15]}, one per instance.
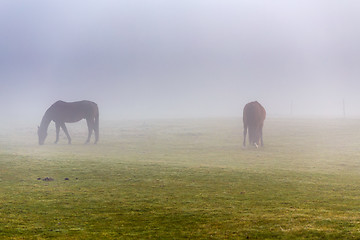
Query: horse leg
{"type": "Point", "coordinates": [261, 136]}
{"type": "Point", "coordinates": [66, 132]}
{"type": "Point", "coordinates": [57, 125]}
{"type": "Point", "coordinates": [90, 125]}
{"type": "Point", "coordinates": [245, 132]}
{"type": "Point", "coordinates": [96, 128]}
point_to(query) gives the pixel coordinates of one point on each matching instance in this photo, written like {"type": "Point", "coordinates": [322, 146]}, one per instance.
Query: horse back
{"type": "Point", "coordinates": [254, 114]}
{"type": "Point", "coordinates": [73, 111]}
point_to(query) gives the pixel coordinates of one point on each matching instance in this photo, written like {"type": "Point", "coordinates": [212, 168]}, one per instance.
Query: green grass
{"type": "Point", "coordinates": [190, 179]}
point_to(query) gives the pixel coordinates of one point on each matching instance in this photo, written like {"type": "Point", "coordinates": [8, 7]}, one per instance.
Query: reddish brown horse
{"type": "Point", "coordinates": [68, 112]}
{"type": "Point", "coordinates": [253, 117]}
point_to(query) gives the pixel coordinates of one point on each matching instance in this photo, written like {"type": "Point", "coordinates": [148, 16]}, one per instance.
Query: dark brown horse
{"type": "Point", "coordinates": [253, 117]}
{"type": "Point", "coordinates": [69, 112]}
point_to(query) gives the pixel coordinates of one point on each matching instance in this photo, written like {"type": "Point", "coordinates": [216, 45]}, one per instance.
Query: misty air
{"type": "Point", "coordinates": [179, 119]}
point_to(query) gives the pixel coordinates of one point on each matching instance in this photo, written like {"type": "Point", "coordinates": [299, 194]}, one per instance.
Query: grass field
{"type": "Point", "coordinates": [190, 179]}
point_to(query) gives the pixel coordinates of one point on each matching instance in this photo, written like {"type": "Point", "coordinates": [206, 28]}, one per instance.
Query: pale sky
{"type": "Point", "coordinates": [181, 58]}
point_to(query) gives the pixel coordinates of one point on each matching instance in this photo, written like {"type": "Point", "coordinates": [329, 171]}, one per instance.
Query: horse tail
{"type": "Point", "coordinates": [96, 127]}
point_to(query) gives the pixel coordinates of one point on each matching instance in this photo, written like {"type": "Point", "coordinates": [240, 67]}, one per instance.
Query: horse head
{"type": "Point", "coordinates": [42, 133]}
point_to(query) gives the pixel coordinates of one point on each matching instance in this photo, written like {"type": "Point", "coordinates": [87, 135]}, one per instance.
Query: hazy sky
{"type": "Point", "coordinates": [180, 58]}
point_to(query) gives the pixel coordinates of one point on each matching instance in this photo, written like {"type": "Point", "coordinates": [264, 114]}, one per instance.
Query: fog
{"type": "Point", "coordinates": [179, 59]}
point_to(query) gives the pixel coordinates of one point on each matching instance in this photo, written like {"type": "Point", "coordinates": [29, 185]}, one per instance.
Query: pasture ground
{"type": "Point", "coordinates": [183, 179]}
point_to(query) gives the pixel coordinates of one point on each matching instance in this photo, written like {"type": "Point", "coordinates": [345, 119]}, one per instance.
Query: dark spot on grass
{"type": "Point", "coordinates": [48, 179]}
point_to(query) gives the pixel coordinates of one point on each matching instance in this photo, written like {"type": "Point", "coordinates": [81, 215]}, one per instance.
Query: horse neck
{"type": "Point", "coordinates": [45, 121]}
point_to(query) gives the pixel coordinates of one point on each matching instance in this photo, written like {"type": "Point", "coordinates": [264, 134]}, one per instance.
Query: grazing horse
{"type": "Point", "coordinates": [253, 117]}
{"type": "Point", "coordinates": [69, 112]}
